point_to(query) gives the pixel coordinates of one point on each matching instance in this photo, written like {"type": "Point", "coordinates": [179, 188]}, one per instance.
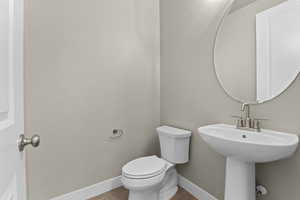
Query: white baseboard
{"type": "Point", "coordinates": [93, 190]}
{"type": "Point", "coordinates": [113, 183]}
{"type": "Point", "coordinates": [194, 189]}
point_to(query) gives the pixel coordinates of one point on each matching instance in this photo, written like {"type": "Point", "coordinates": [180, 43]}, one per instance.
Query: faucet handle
{"type": "Point", "coordinates": [239, 121]}
{"type": "Point", "coordinates": [256, 124]}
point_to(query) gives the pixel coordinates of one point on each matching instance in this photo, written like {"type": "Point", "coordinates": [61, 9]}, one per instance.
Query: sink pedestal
{"type": "Point", "coordinates": [240, 180]}
{"type": "Point", "coordinates": [243, 149]}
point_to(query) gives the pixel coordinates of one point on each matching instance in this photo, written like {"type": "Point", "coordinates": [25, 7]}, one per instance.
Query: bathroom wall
{"type": "Point", "coordinates": [191, 97]}
{"type": "Point", "coordinates": [90, 66]}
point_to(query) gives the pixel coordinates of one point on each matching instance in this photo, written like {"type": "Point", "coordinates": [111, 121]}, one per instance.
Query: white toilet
{"type": "Point", "coordinates": [153, 178]}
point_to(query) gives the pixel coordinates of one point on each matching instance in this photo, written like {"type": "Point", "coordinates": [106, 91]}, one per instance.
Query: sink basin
{"type": "Point", "coordinates": [243, 149]}
{"type": "Point", "coordinates": [264, 146]}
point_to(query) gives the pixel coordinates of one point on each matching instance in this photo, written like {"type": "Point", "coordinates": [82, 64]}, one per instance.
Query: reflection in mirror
{"type": "Point", "coordinates": [257, 49]}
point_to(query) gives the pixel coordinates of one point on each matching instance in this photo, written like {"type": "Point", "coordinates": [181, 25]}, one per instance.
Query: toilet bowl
{"type": "Point", "coordinates": [150, 178]}
{"type": "Point", "coordinates": [154, 178]}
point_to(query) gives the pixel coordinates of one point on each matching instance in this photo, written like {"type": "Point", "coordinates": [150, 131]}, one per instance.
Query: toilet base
{"type": "Point", "coordinates": [144, 194]}
{"type": "Point", "coordinates": [169, 185]}
{"type": "Point", "coordinates": [153, 194]}
{"type": "Point", "coordinates": [165, 191]}
{"type": "Point", "coordinates": [167, 195]}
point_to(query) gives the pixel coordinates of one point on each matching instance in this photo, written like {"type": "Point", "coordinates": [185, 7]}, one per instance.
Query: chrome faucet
{"type": "Point", "coordinates": [245, 122]}
{"type": "Point", "coordinates": [246, 109]}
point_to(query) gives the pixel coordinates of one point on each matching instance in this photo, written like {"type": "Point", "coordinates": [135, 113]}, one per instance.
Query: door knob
{"type": "Point", "coordinates": [23, 141]}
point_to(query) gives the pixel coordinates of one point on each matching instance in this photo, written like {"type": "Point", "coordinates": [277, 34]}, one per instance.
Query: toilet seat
{"type": "Point", "coordinates": [145, 167]}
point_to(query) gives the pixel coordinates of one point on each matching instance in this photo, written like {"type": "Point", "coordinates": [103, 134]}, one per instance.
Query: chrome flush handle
{"type": "Point", "coordinates": [23, 142]}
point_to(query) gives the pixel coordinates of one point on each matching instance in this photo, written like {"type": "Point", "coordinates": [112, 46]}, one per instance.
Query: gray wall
{"type": "Point", "coordinates": [191, 96]}
{"type": "Point", "coordinates": [90, 66]}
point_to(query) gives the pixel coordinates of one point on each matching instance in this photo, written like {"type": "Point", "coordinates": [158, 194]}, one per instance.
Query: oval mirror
{"type": "Point", "coordinates": [257, 49]}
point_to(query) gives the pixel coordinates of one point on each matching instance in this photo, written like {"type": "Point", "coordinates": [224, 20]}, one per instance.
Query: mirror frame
{"type": "Point", "coordinates": [225, 13]}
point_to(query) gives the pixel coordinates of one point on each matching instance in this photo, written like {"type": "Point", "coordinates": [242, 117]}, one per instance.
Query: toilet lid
{"type": "Point", "coordinates": [145, 167]}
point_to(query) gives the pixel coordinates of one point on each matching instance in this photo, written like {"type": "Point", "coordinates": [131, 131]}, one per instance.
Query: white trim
{"type": "Point", "coordinates": [113, 183]}
{"type": "Point", "coordinates": [93, 190]}
{"type": "Point", "coordinates": [194, 189]}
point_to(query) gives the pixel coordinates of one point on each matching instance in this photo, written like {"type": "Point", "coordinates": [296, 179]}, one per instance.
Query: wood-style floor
{"type": "Point", "coordinates": [122, 194]}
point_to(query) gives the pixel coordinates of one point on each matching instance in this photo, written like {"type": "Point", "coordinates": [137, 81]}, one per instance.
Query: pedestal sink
{"type": "Point", "coordinates": [243, 149]}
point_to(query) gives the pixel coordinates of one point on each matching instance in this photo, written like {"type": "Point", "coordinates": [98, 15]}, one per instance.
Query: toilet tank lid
{"type": "Point", "coordinates": [173, 132]}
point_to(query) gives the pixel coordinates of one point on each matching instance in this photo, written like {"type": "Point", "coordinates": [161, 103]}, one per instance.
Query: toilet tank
{"type": "Point", "coordinates": [174, 144]}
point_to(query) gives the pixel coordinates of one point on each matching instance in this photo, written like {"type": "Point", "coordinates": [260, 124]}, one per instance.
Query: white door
{"type": "Point", "coordinates": [12, 162]}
